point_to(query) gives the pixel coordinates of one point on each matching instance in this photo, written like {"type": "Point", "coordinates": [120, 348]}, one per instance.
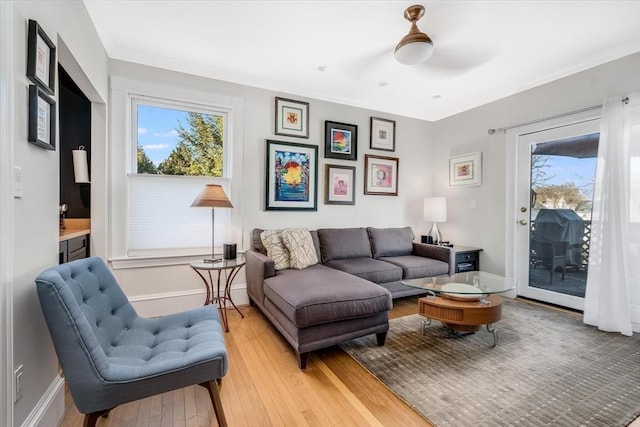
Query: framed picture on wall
{"type": "Point", "coordinates": [292, 118]}
{"type": "Point", "coordinates": [381, 175]}
{"type": "Point", "coordinates": [292, 175]}
{"type": "Point", "coordinates": [383, 134]}
{"type": "Point", "coordinates": [41, 58]}
{"type": "Point", "coordinates": [339, 185]}
{"type": "Point", "coordinates": [465, 170]}
{"type": "Point", "coordinates": [340, 141]}
{"type": "Point", "coordinates": [42, 119]}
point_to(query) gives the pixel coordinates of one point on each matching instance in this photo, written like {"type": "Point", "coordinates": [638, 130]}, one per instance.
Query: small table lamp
{"type": "Point", "coordinates": [435, 210]}
{"type": "Point", "coordinates": [212, 196]}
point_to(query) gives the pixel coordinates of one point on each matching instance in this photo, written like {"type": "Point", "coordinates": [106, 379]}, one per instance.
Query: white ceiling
{"type": "Point", "coordinates": [342, 51]}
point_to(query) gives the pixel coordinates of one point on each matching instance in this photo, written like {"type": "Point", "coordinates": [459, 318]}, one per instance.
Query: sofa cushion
{"type": "Point", "coordinates": [299, 243]}
{"type": "Point", "coordinates": [414, 266]}
{"type": "Point", "coordinates": [272, 241]}
{"type": "Point", "coordinates": [391, 241]}
{"type": "Point", "coordinates": [256, 241]}
{"type": "Point", "coordinates": [368, 268]}
{"type": "Point", "coordinates": [320, 294]}
{"type": "Point", "coordinates": [340, 243]}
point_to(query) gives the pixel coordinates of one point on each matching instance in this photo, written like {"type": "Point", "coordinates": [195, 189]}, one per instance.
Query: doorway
{"type": "Point", "coordinates": [555, 181]}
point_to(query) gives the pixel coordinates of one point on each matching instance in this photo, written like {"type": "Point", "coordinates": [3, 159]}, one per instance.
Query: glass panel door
{"type": "Point", "coordinates": [555, 191]}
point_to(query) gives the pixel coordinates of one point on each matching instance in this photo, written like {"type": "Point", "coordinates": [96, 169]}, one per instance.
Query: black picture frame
{"type": "Point", "coordinates": [41, 58]}
{"type": "Point", "coordinates": [42, 119]}
{"type": "Point", "coordinates": [292, 118]}
{"type": "Point", "coordinates": [340, 141]}
{"type": "Point", "coordinates": [291, 176]}
{"type": "Point", "coordinates": [381, 175]}
{"type": "Point", "coordinates": [382, 134]}
{"type": "Point", "coordinates": [339, 185]}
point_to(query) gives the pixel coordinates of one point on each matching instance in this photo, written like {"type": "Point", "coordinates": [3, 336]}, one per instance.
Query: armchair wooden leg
{"type": "Point", "coordinates": [212, 388]}
{"type": "Point", "coordinates": [91, 419]}
{"type": "Point", "coordinates": [381, 337]}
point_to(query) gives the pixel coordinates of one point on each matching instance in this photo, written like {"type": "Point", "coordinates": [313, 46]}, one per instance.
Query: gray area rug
{"type": "Point", "coordinates": [549, 369]}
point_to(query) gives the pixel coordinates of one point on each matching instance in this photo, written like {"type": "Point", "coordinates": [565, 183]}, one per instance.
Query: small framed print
{"type": "Point", "coordinates": [465, 170]}
{"type": "Point", "coordinates": [340, 141]}
{"type": "Point", "coordinates": [42, 119]}
{"type": "Point", "coordinates": [381, 175]}
{"type": "Point", "coordinates": [292, 175]}
{"type": "Point", "coordinates": [383, 134]}
{"type": "Point", "coordinates": [41, 58]}
{"type": "Point", "coordinates": [339, 185]}
{"type": "Point", "coordinates": [292, 118]}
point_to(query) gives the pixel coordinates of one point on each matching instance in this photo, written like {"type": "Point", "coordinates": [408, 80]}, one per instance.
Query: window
{"type": "Point", "coordinates": [176, 149]}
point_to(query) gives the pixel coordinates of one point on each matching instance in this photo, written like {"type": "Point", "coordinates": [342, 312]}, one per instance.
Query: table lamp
{"type": "Point", "coordinates": [212, 196]}
{"type": "Point", "coordinates": [435, 211]}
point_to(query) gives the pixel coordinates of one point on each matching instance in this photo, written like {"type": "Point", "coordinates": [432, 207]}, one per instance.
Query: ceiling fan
{"type": "Point", "coordinates": [416, 47]}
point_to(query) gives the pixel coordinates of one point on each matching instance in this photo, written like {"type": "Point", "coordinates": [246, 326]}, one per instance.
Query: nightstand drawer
{"type": "Point", "coordinates": [466, 257]}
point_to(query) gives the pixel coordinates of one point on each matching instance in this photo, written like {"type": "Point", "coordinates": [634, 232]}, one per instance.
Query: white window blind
{"type": "Point", "coordinates": [161, 220]}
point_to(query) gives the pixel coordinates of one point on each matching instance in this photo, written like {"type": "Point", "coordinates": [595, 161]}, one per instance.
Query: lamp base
{"type": "Point", "coordinates": [434, 233]}
{"type": "Point", "coordinates": [212, 260]}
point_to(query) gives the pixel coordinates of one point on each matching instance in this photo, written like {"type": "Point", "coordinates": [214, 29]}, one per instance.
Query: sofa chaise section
{"type": "Point", "coordinates": [318, 306]}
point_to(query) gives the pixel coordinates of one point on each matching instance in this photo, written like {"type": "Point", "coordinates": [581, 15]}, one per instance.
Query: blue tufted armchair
{"type": "Point", "coordinates": [110, 355]}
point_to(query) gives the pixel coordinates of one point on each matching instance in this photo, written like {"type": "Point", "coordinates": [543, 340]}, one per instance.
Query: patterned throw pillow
{"type": "Point", "coordinates": [275, 248]}
{"type": "Point", "coordinates": [302, 252]}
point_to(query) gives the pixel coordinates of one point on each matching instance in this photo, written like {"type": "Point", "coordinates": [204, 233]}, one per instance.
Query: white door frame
{"type": "Point", "coordinates": [514, 250]}
{"type": "Point", "coordinates": [6, 211]}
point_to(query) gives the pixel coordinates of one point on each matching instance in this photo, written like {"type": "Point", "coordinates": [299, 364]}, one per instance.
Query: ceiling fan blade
{"type": "Point", "coordinates": [456, 61]}
{"type": "Point", "coordinates": [369, 62]}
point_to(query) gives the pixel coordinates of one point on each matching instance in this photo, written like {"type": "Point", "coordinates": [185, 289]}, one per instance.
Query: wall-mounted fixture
{"type": "Point", "coordinates": [81, 165]}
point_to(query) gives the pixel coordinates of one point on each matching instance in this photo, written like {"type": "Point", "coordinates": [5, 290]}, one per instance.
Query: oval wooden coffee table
{"type": "Point", "coordinates": [463, 302]}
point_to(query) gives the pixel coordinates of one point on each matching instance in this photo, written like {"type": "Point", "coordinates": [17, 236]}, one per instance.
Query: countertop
{"type": "Point", "coordinates": [75, 227]}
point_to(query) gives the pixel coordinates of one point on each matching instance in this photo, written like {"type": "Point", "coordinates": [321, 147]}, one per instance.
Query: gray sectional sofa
{"type": "Point", "coordinates": [346, 295]}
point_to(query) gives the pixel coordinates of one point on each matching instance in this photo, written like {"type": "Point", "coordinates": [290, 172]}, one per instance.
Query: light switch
{"type": "Point", "coordinates": [17, 182]}
{"type": "Point", "coordinates": [472, 203]}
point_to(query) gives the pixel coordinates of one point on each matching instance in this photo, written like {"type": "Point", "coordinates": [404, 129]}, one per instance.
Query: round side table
{"type": "Point", "coordinates": [227, 270]}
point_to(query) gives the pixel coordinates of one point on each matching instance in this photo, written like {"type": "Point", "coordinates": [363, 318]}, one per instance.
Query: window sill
{"type": "Point", "coordinates": [118, 263]}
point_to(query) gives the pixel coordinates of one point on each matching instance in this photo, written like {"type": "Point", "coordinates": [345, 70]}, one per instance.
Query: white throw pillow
{"type": "Point", "coordinates": [302, 252]}
{"type": "Point", "coordinates": [272, 241]}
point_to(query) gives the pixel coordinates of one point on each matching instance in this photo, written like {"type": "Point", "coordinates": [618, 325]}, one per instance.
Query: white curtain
{"type": "Point", "coordinates": [612, 300]}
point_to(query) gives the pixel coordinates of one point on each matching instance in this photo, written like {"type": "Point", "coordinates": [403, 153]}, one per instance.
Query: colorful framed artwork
{"type": "Point", "coordinates": [465, 170]}
{"type": "Point", "coordinates": [381, 175]}
{"type": "Point", "coordinates": [41, 58]}
{"type": "Point", "coordinates": [340, 141]}
{"type": "Point", "coordinates": [42, 119]}
{"type": "Point", "coordinates": [292, 175]}
{"type": "Point", "coordinates": [383, 134]}
{"type": "Point", "coordinates": [339, 185]}
{"type": "Point", "coordinates": [292, 118]}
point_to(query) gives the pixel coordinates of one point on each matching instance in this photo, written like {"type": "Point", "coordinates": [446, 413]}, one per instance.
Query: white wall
{"type": "Point", "coordinates": [467, 132]}
{"type": "Point", "coordinates": [412, 147]}
{"type": "Point", "coordinates": [36, 213]}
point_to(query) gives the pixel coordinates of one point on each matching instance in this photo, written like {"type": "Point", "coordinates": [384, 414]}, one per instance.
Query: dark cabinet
{"type": "Point", "coordinates": [73, 249]}
{"type": "Point", "coordinates": [467, 259]}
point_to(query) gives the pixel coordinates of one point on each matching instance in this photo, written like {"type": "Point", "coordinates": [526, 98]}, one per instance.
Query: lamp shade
{"type": "Point", "coordinates": [212, 196]}
{"type": "Point", "coordinates": [435, 209]}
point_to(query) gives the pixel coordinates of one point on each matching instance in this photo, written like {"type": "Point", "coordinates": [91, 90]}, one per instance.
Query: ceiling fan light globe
{"type": "Point", "coordinates": [413, 53]}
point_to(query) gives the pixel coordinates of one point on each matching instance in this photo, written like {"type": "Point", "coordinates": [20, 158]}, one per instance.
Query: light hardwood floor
{"type": "Point", "coordinates": [264, 387]}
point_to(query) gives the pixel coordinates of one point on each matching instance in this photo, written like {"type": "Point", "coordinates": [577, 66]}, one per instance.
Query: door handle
{"type": "Point", "coordinates": [523, 222]}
